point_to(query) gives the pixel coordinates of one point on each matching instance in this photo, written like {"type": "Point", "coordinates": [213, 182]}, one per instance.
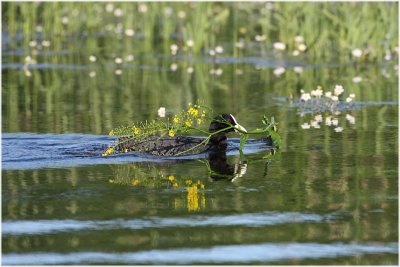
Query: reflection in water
{"type": "Point", "coordinates": [193, 198]}
{"type": "Point", "coordinates": [153, 176]}
{"type": "Point", "coordinates": [329, 103]}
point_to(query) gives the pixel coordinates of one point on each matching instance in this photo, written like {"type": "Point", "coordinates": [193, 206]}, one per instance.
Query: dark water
{"type": "Point", "coordinates": [325, 197]}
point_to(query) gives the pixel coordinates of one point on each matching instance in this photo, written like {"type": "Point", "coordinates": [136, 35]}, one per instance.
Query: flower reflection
{"type": "Point", "coordinates": [325, 106]}
{"type": "Point", "coordinates": [189, 192]}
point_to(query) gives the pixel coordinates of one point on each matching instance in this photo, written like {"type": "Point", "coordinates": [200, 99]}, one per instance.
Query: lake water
{"type": "Point", "coordinates": [325, 196]}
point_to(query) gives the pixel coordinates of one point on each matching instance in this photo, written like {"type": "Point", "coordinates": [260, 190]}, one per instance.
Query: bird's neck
{"type": "Point", "coordinates": [218, 141]}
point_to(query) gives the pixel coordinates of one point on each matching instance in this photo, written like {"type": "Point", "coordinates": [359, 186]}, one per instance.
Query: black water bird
{"type": "Point", "coordinates": [185, 145]}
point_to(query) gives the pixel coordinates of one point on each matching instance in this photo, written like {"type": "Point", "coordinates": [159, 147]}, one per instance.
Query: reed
{"type": "Point", "coordinates": [330, 30]}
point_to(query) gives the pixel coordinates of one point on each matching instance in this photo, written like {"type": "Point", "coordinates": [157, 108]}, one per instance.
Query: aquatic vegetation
{"type": "Point", "coordinates": [351, 31]}
{"type": "Point", "coordinates": [330, 104]}
{"type": "Point", "coordinates": [193, 119]}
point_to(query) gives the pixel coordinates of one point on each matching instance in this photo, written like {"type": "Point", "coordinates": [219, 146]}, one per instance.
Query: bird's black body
{"type": "Point", "coordinates": [172, 146]}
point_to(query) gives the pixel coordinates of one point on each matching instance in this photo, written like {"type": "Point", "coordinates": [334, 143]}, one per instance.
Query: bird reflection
{"type": "Point", "coordinates": [222, 170]}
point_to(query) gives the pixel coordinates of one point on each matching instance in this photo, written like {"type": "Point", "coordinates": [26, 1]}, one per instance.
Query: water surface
{"type": "Point", "coordinates": [329, 195]}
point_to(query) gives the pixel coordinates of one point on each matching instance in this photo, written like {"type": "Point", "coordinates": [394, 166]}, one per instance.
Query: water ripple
{"type": "Point", "coordinates": [265, 252]}
{"type": "Point", "coordinates": [22, 151]}
{"type": "Point", "coordinates": [247, 219]}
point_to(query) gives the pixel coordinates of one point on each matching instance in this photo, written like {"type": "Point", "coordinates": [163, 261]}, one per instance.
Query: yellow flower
{"type": "Point", "coordinates": [194, 112]}
{"type": "Point", "coordinates": [109, 151]}
{"type": "Point", "coordinates": [171, 178]}
{"type": "Point", "coordinates": [176, 119]}
{"type": "Point", "coordinates": [136, 130]}
{"type": "Point", "coordinates": [188, 182]}
{"type": "Point", "coordinates": [171, 133]}
{"type": "Point", "coordinates": [135, 181]}
{"type": "Point", "coordinates": [203, 114]}
{"type": "Point", "coordinates": [199, 121]}
{"type": "Point", "coordinates": [175, 185]}
{"type": "Point", "coordinates": [111, 133]}
{"type": "Point", "coordinates": [188, 123]}
{"type": "Point", "coordinates": [202, 186]}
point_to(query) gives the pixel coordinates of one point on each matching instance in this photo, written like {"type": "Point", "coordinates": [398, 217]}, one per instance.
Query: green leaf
{"type": "Point", "coordinates": [243, 141]}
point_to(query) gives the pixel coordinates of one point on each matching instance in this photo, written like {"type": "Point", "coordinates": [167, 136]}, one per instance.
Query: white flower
{"type": "Point", "coordinates": [219, 72]}
{"type": "Point", "coordinates": [302, 47]}
{"type": "Point", "coordinates": [129, 32]}
{"type": "Point", "coordinates": [118, 72]}
{"type": "Point", "coordinates": [92, 74]}
{"type": "Point", "coordinates": [174, 49]}
{"type": "Point", "coordinates": [338, 90]}
{"type": "Point", "coordinates": [388, 55]}
{"type": "Point", "coordinates": [298, 69]}
{"type": "Point", "coordinates": [118, 12]}
{"type": "Point", "coordinates": [279, 46]}
{"type": "Point", "coordinates": [190, 70]}
{"type": "Point", "coordinates": [305, 125]}
{"type": "Point", "coordinates": [118, 60]}
{"type": "Point", "coordinates": [46, 43]}
{"type": "Point", "coordinates": [109, 7]}
{"type": "Point", "coordinates": [260, 38]}
{"type": "Point", "coordinates": [328, 94]}
{"type": "Point", "coordinates": [352, 95]}
{"type": "Point", "coordinates": [27, 73]}
{"type": "Point", "coordinates": [315, 124]}
{"type": "Point", "coordinates": [328, 121]}
{"type": "Point", "coordinates": [168, 11]}
{"type": "Point", "coordinates": [335, 98]}
{"type": "Point", "coordinates": [305, 97]}
{"type": "Point", "coordinates": [173, 67]}
{"type": "Point", "coordinates": [239, 44]}
{"type": "Point", "coordinates": [190, 43]}
{"type": "Point", "coordinates": [299, 39]}
{"type": "Point", "coordinates": [349, 99]}
{"type": "Point", "coordinates": [219, 49]}
{"type": "Point", "coordinates": [64, 20]}
{"type": "Point", "coordinates": [28, 59]}
{"type": "Point", "coordinates": [318, 92]}
{"type": "Point", "coordinates": [182, 14]}
{"type": "Point", "coordinates": [357, 79]}
{"type": "Point", "coordinates": [161, 112]}
{"type": "Point", "coordinates": [338, 129]}
{"type": "Point", "coordinates": [351, 118]}
{"type": "Point", "coordinates": [130, 58]}
{"type": "Point", "coordinates": [279, 71]}
{"type": "Point", "coordinates": [142, 8]}
{"type": "Point", "coordinates": [92, 58]}
{"type": "Point", "coordinates": [357, 52]}
{"type": "Point", "coordinates": [32, 43]}
{"type": "Point", "coordinates": [335, 122]}
{"type": "Point", "coordinates": [318, 118]}
{"type": "Point", "coordinates": [296, 53]}
{"type": "Point", "coordinates": [212, 52]}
